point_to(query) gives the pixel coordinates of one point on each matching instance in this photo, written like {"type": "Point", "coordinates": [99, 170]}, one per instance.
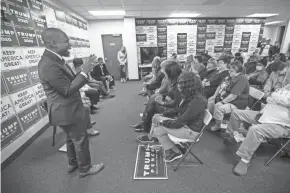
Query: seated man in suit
{"type": "Point", "coordinates": [101, 73]}
{"type": "Point", "coordinates": [65, 106]}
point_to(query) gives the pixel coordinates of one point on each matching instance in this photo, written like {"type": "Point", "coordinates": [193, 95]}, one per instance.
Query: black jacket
{"type": "Point", "coordinates": [97, 72]}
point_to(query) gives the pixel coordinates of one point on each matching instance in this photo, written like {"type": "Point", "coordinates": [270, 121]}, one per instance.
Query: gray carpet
{"type": "Point", "coordinates": [42, 169]}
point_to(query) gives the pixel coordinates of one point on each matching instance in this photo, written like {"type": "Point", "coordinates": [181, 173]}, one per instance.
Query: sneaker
{"type": "Point", "coordinates": [93, 132]}
{"type": "Point", "coordinates": [112, 88]}
{"type": "Point", "coordinates": [93, 122]}
{"type": "Point", "coordinates": [93, 170]}
{"type": "Point", "coordinates": [181, 147]}
{"type": "Point", "coordinates": [172, 156]}
{"type": "Point", "coordinates": [241, 168]}
{"type": "Point", "coordinates": [215, 128]}
{"type": "Point", "coordinates": [110, 96]}
{"type": "Point", "coordinates": [94, 112]}
{"type": "Point", "coordinates": [94, 108]}
{"type": "Point", "coordinates": [137, 126]}
{"type": "Point", "coordinates": [145, 139]}
{"type": "Point", "coordinates": [71, 169]}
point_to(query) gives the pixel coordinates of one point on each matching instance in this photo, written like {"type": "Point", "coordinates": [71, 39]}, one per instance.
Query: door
{"type": "Point", "coordinates": [281, 34]}
{"type": "Point", "coordinates": [111, 45]}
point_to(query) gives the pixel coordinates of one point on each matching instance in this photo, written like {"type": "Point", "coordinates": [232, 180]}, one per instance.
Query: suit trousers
{"type": "Point", "coordinates": [77, 142]}
{"type": "Point", "coordinates": [93, 95]}
{"type": "Point", "coordinates": [111, 81]}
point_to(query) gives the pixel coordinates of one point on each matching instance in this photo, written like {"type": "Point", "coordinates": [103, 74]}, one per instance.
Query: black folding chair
{"type": "Point", "coordinates": [206, 120]}
{"type": "Point", "coordinates": [282, 147]}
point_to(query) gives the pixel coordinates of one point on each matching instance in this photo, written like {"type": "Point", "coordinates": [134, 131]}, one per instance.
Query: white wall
{"type": "Point", "coordinates": [271, 31]}
{"type": "Point", "coordinates": [129, 40]}
{"type": "Point", "coordinates": [99, 27]}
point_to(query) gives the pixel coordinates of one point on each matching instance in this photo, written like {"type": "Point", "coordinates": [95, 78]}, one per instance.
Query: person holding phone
{"type": "Point", "coordinates": [65, 106]}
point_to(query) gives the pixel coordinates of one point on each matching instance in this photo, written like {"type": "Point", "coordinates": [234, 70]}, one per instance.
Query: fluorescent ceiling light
{"type": "Point", "coordinates": [273, 22]}
{"type": "Point", "coordinates": [107, 13]}
{"type": "Point", "coordinates": [184, 14]}
{"type": "Point", "coordinates": [263, 15]}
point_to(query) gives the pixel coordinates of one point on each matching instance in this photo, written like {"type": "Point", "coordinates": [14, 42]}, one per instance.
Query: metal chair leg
{"type": "Point", "coordinates": [183, 157]}
{"type": "Point", "coordinates": [277, 152]}
{"type": "Point", "coordinates": [196, 157]}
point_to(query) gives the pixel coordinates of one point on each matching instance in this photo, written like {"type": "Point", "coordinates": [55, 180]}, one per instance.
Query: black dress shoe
{"type": "Point", "coordinates": [93, 112]}
{"type": "Point", "coordinates": [93, 122]}
{"type": "Point", "coordinates": [94, 107]}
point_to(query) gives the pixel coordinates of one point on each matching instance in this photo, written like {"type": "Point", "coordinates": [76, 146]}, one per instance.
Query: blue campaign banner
{"type": "Point", "coordinates": [150, 163]}
{"type": "Point", "coordinates": [29, 117]}
{"type": "Point", "coordinates": [16, 79]}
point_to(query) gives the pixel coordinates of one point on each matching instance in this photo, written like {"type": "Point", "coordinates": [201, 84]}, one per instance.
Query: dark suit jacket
{"type": "Point", "coordinates": [97, 72]}
{"type": "Point", "coordinates": [61, 87]}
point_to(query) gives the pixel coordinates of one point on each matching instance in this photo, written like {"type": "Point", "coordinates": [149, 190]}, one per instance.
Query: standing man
{"type": "Point", "coordinates": [65, 106]}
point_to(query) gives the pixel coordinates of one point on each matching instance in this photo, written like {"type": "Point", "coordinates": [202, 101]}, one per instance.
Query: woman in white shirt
{"type": "Point", "coordinates": [122, 58]}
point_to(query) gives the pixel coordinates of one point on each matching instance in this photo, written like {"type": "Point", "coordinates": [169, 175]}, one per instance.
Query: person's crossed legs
{"type": "Point", "coordinates": [219, 112]}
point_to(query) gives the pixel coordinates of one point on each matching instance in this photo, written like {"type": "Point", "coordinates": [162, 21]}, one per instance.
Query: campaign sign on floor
{"type": "Point", "coordinates": [150, 163]}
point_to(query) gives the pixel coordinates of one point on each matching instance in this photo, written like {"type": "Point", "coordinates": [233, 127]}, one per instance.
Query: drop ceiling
{"type": "Point", "coordinates": [163, 8]}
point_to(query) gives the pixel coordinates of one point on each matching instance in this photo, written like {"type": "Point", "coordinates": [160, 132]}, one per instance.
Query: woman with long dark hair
{"type": "Point", "coordinates": [184, 122]}
{"type": "Point", "coordinates": [158, 103]}
{"type": "Point", "coordinates": [122, 58]}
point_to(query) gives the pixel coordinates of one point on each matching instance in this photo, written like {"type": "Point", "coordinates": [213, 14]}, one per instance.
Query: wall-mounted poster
{"type": "Point", "coordinates": [6, 108]}
{"type": "Point", "coordinates": [10, 129]}
{"type": "Point", "coordinates": [32, 56]}
{"type": "Point", "coordinates": [33, 72]}
{"type": "Point", "coordinates": [39, 39]}
{"type": "Point", "coordinates": [35, 5]}
{"type": "Point", "coordinates": [12, 58]}
{"type": "Point", "coordinates": [29, 117]}
{"type": "Point", "coordinates": [26, 37]}
{"type": "Point", "coordinates": [39, 21]}
{"type": "Point", "coordinates": [23, 99]}
{"type": "Point", "coordinates": [16, 79]}
{"type": "Point", "coordinates": [21, 16]}
{"type": "Point", "coordinates": [21, 3]}
{"type": "Point", "coordinates": [39, 92]}
{"type": "Point", "coordinates": [8, 36]}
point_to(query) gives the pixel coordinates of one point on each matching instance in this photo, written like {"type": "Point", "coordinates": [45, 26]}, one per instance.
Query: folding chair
{"type": "Point", "coordinates": [283, 146]}
{"type": "Point", "coordinates": [256, 94]}
{"type": "Point", "coordinates": [206, 120]}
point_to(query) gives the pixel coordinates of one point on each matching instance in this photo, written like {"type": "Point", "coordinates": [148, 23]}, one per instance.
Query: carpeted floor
{"type": "Point", "coordinates": [42, 169]}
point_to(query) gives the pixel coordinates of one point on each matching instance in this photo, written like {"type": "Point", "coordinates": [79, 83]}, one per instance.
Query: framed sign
{"type": "Point", "coordinates": [26, 37]}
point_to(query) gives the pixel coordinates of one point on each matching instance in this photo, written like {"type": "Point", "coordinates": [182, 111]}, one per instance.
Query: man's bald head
{"type": "Point", "coordinates": [56, 40]}
{"type": "Point", "coordinates": [53, 34]}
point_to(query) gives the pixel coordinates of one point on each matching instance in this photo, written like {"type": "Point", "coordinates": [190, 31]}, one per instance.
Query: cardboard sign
{"type": "Point", "coordinates": [16, 79]}
{"type": "Point", "coordinates": [21, 16]}
{"type": "Point", "coordinates": [3, 87]}
{"type": "Point", "coordinates": [29, 117]}
{"type": "Point", "coordinates": [21, 3]}
{"type": "Point", "coordinates": [39, 21]}
{"type": "Point", "coordinates": [32, 56]}
{"type": "Point", "coordinates": [33, 72]}
{"type": "Point", "coordinates": [6, 108]}
{"type": "Point", "coordinates": [35, 5]}
{"type": "Point", "coordinates": [39, 92]}
{"type": "Point", "coordinates": [10, 130]}
{"type": "Point", "coordinates": [150, 163]}
{"type": "Point", "coordinates": [26, 37]}
{"type": "Point", "coordinates": [12, 58]}
{"type": "Point", "coordinates": [8, 36]}
{"type": "Point", "coordinates": [23, 99]}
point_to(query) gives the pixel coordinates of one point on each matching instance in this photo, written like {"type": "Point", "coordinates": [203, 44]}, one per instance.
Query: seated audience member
{"type": "Point", "coordinates": [91, 93]}
{"type": "Point", "coordinates": [205, 57]}
{"type": "Point", "coordinates": [271, 122]}
{"type": "Point", "coordinates": [174, 57]}
{"type": "Point", "coordinates": [198, 65]}
{"type": "Point", "coordinates": [251, 64]}
{"type": "Point", "coordinates": [232, 94]}
{"type": "Point", "coordinates": [210, 68]}
{"type": "Point", "coordinates": [274, 50]}
{"type": "Point", "coordinates": [258, 78]}
{"type": "Point", "coordinates": [156, 66]}
{"type": "Point", "coordinates": [273, 65]}
{"type": "Point", "coordinates": [92, 83]}
{"type": "Point", "coordinates": [239, 57]}
{"type": "Point", "coordinates": [155, 84]}
{"type": "Point", "coordinates": [158, 103]}
{"type": "Point", "coordinates": [185, 122]}
{"type": "Point", "coordinates": [189, 62]}
{"type": "Point", "coordinates": [278, 78]}
{"type": "Point", "coordinates": [101, 73]}
{"type": "Point", "coordinates": [211, 82]}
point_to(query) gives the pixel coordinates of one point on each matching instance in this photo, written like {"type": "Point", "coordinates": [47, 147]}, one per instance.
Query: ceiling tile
{"type": "Point", "coordinates": [161, 2]}
{"type": "Point", "coordinates": [133, 2]}
{"type": "Point", "coordinates": [149, 13]}
{"type": "Point", "coordinates": [110, 2]}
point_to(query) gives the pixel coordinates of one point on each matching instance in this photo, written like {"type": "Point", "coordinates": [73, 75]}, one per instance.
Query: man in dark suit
{"type": "Point", "coordinates": [65, 107]}
{"type": "Point", "coordinates": [101, 73]}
